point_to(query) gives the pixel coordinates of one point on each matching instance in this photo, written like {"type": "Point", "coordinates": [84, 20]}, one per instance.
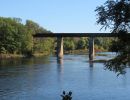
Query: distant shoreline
{"type": "Point", "coordinates": [11, 56]}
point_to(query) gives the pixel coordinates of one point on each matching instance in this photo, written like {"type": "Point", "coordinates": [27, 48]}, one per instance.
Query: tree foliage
{"type": "Point", "coordinates": [41, 45]}
{"type": "Point", "coordinates": [69, 44]}
{"type": "Point", "coordinates": [115, 15]}
{"type": "Point", "coordinates": [12, 36]}
{"type": "Point", "coordinates": [16, 38]}
{"type": "Point", "coordinates": [82, 43]}
{"type": "Point", "coordinates": [103, 43]}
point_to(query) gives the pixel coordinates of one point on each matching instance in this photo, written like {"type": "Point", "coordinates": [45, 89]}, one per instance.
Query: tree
{"type": "Point", "coordinates": [82, 43]}
{"type": "Point", "coordinates": [69, 44]}
{"type": "Point", "coordinates": [16, 38]}
{"type": "Point", "coordinates": [40, 45]}
{"type": "Point", "coordinates": [115, 15]}
{"type": "Point", "coordinates": [103, 43]}
{"type": "Point", "coordinates": [12, 35]}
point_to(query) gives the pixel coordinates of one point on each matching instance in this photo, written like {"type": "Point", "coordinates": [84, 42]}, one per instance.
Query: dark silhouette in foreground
{"type": "Point", "coordinates": [66, 96]}
{"type": "Point", "coordinates": [115, 15]}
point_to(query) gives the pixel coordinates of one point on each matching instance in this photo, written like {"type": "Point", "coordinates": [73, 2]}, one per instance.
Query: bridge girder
{"type": "Point", "coordinates": [76, 35]}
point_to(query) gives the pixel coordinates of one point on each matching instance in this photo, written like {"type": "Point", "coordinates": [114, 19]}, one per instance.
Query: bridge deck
{"type": "Point", "coordinates": [76, 35]}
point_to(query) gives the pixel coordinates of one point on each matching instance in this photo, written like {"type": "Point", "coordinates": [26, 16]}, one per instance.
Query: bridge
{"type": "Point", "coordinates": [61, 35]}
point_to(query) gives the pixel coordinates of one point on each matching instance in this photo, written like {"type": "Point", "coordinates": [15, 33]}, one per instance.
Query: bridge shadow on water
{"type": "Point", "coordinates": [60, 70]}
{"type": "Point", "coordinates": [60, 65]}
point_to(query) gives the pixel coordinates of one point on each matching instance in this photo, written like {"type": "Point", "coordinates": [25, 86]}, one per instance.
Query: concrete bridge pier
{"type": "Point", "coordinates": [91, 49]}
{"type": "Point", "coordinates": [60, 53]}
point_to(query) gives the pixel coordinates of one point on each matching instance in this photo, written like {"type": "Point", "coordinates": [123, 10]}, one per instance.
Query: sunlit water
{"type": "Point", "coordinates": [45, 78]}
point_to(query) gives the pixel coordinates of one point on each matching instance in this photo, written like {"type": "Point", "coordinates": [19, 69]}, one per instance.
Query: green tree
{"type": "Point", "coordinates": [103, 43]}
{"type": "Point", "coordinates": [16, 38]}
{"type": "Point", "coordinates": [115, 15]}
{"type": "Point", "coordinates": [82, 43]}
{"type": "Point", "coordinates": [69, 44]}
{"type": "Point", "coordinates": [35, 28]}
{"type": "Point", "coordinates": [40, 45]}
{"type": "Point", "coordinates": [12, 34]}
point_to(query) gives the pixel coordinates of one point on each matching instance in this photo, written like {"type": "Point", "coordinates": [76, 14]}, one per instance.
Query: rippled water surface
{"type": "Point", "coordinates": [45, 78]}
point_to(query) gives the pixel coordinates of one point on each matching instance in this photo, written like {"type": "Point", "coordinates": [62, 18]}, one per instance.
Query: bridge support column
{"type": "Point", "coordinates": [91, 48]}
{"type": "Point", "coordinates": [60, 47]}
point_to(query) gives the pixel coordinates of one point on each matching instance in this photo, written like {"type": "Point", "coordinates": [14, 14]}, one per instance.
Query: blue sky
{"type": "Point", "coordinates": [55, 15]}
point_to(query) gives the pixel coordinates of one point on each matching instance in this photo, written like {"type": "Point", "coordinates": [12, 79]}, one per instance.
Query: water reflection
{"type": "Point", "coordinates": [91, 74]}
{"type": "Point", "coordinates": [60, 61]}
{"type": "Point", "coordinates": [60, 69]}
{"type": "Point", "coordinates": [91, 64]}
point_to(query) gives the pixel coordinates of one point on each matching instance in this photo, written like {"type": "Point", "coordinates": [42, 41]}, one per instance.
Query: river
{"type": "Point", "coordinates": [45, 78]}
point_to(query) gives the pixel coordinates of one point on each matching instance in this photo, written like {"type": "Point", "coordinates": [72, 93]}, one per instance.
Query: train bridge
{"type": "Point", "coordinates": [61, 35]}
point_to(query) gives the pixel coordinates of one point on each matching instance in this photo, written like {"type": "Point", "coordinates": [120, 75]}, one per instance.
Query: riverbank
{"type": "Point", "coordinates": [76, 51]}
{"type": "Point", "coordinates": [11, 56]}
{"type": "Point", "coordinates": [83, 51]}
{"type": "Point", "coordinates": [6, 56]}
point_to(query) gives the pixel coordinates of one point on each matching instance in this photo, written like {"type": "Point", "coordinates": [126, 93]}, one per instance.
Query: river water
{"type": "Point", "coordinates": [45, 78]}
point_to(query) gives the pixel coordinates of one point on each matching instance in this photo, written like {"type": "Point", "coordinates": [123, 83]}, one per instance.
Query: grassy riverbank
{"type": "Point", "coordinates": [80, 51]}
{"type": "Point", "coordinates": [76, 51]}
{"type": "Point", "coordinates": [6, 56]}
{"type": "Point", "coordinates": [12, 56]}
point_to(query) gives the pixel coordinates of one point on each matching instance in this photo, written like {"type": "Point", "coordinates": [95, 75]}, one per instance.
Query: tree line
{"type": "Point", "coordinates": [16, 38]}
{"type": "Point", "coordinates": [82, 43]}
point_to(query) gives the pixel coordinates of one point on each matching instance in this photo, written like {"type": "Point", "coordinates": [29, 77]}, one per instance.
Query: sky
{"type": "Point", "coordinates": [58, 16]}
